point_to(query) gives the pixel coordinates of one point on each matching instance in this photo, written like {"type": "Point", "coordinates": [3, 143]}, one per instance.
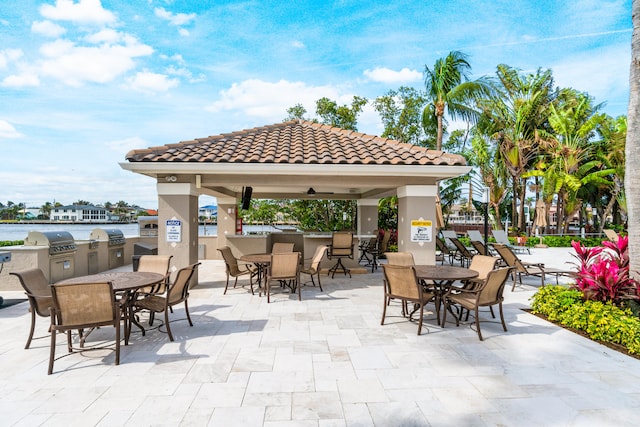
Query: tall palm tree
{"type": "Point", "coordinates": [632, 175]}
{"type": "Point", "coordinates": [449, 90]}
{"type": "Point", "coordinates": [517, 119]}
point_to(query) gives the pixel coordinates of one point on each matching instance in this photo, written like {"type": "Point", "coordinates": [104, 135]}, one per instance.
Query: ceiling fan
{"type": "Point", "coordinates": [312, 192]}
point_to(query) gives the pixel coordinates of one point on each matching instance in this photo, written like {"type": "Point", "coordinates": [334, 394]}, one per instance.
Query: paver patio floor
{"type": "Point", "coordinates": [325, 361]}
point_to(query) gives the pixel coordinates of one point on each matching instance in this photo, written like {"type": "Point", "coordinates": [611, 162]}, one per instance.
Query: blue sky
{"type": "Point", "coordinates": [83, 82]}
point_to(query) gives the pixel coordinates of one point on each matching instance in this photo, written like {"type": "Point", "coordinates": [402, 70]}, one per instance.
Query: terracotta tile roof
{"type": "Point", "coordinates": [296, 142]}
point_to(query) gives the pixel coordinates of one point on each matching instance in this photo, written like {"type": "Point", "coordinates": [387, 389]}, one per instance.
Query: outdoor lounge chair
{"type": "Point", "coordinates": [463, 254]}
{"type": "Point", "coordinates": [520, 268]}
{"type": "Point", "coordinates": [83, 306]}
{"type": "Point", "coordinates": [234, 269]}
{"type": "Point", "coordinates": [444, 251]}
{"type": "Point", "coordinates": [475, 236]}
{"type": "Point", "coordinates": [502, 239]}
{"type": "Point", "coordinates": [402, 283]}
{"type": "Point", "coordinates": [38, 291]}
{"type": "Point", "coordinates": [611, 234]}
{"type": "Point", "coordinates": [176, 293]}
{"type": "Point", "coordinates": [485, 294]}
{"type": "Point", "coordinates": [314, 268]}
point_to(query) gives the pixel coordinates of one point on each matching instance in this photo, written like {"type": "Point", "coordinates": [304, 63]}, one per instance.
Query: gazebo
{"type": "Point", "coordinates": [294, 160]}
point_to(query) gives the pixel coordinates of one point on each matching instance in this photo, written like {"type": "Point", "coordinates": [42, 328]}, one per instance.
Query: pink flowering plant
{"type": "Point", "coordinates": [603, 272]}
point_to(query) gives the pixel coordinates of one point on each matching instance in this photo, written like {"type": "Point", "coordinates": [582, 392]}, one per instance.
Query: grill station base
{"type": "Point", "coordinates": [62, 247]}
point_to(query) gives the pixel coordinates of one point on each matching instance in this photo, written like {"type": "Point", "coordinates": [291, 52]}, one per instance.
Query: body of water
{"type": "Point", "coordinates": [82, 231]}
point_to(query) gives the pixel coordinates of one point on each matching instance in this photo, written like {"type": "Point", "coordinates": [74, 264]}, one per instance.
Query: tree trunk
{"type": "Point", "coordinates": [632, 148]}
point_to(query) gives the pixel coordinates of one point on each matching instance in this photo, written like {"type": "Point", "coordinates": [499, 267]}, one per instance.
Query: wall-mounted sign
{"type": "Point", "coordinates": [174, 230]}
{"type": "Point", "coordinates": [421, 230]}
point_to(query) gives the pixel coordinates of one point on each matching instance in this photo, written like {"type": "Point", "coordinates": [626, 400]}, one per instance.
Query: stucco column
{"type": "Point", "coordinates": [417, 203]}
{"type": "Point", "coordinates": [367, 216]}
{"type": "Point", "coordinates": [178, 223]}
{"type": "Point", "coordinates": [227, 214]}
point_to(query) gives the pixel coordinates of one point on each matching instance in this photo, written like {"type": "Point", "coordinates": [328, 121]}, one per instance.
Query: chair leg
{"type": "Point", "coordinates": [166, 322]}
{"type": "Point", "coordinates": [478, 323]}
{"type": "Point", "coordinates": [226, 286]}
{"type": "Point", "coordinates": [384, 308]}
{"type": "Point", "coordinates": [52, 351]}
{"type": "Point", "coordinates": [504, 325]}
{"type": "Point", "coordinates": [186, 309]}
{"type": "Point", "coordinates": [118, 342]}
{"type": "Point", "coordinates": [421, 317]}
{"type": "Point", "coordinates": [33, 327]}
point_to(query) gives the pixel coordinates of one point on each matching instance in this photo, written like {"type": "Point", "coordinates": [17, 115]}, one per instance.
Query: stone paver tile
{"type": "Point", "coordinates": [361, 391]}
{"type": "Point", "coordinates": [316, 405]}
{"type": "Point", "coordinates": [252, 416]}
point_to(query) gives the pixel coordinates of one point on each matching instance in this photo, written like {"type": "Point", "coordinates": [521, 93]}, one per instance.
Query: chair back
{"type": "Point", "coordinates": [402, 281]}
{"type": "Point", "coordinates": [155, 264]}
{"type": "Point", "coordinates": [491, 292]}
{"type": "Point", "coordinates": [281, 247]}
{"type": "Point", "coordinates": [179, 290]}
{"type": "Point", "coordinates": [447, 235]}
{"type": "Point", "coordinates": [399, 258]}
{"type": "Point", "coordinates": [461, 248]}
{"type": "Point", "coordinates": [230, 261]}
{"type": "Point", "coordinates": [501, 237]}
{"type": "Point", "coordinates": [510, 258]}
{"type": "Point", "coordinates": [384, 243]}
{"type": "Point", "coordinates": [37, 288]}
{"type": "Point", "coordinates": [84, 305]}
{"type": "Point", "coordinates": [371, 245]}
{"type": "Point", "coordinates": [442, 247]}
{"type": "Point", "coordinates": [611, 234]}
{"type": "Point", "coordinates": [317, 258]}
{"type": "Point", "coordinates": [342, 244]}
{"type": "Point", "coordinates": [475, 236]}
{"type": "Point", "coordinates": [284, 265]}
{"type": "Point", "coordinates": [480, 247]}
{"type": "Point", "coordinates": [483, 265]}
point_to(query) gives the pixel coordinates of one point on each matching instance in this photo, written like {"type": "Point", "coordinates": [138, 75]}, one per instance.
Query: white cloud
{"type": "Point", "coordinates": [183, 32]}
{"type": "Point", "coordinates": [385, 75]}
{"type": "Point", "coordinates": [603, 73]}
{"type": "Point", "coordinates": [8, 131]}
{"type": "Point", "coordinates": [9, 55]}
{"type": "Point", "coordinates": [270, 101]}
{"type": "Point", "coordinates": [104, 36]}
{"type": "Point", "coordinates": [83, 12]}
{"type": "Point", "coordinates": [175, 19]}
{"type": "Point", "coordinates": [21, 80]}
{"type": "Point", "coordinates": [146, 81]}
{"type": "Point", "coordinates": [47, 28]}
{"type": "Point", "coordinates": [75, 65]}
{"type": "Point", "coordinates": [298, 44]}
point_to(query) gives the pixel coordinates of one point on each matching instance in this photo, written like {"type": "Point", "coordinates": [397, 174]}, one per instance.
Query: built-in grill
{"type": "Point", "coordinates": [59, 242]}
{"type": "Point", "coordinates": [62, 248]}
{"type": "Point", "coordinates": [112, 236]}
{"type": "Point", "coordinates": [115, 241]}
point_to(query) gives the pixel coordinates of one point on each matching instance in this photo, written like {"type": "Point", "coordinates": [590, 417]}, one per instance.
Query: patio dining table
{"type": "Point", "coordinates": [261, 261]}
{"type": "Point", "coordinates": [443, 276]}
{"type": "Point", "coordinates": [125, 283]}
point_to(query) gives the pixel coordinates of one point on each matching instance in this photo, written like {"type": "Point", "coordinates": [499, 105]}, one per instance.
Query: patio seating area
{"type": "Point", "coordinates": [321, 361]}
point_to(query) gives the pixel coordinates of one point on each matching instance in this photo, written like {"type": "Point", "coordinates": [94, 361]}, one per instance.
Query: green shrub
{"type": "Point", "coordinates": [601, 321]}
{"type": "Point", "coordinates": [11, 242]}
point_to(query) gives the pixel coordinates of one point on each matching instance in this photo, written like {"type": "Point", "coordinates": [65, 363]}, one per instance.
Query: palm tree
{"type": "Point", "coordinates": [611, 151]}
{"type": "Point", "coordinates": [448, 89]}
{"type": "Point", "coordinates": [632, 175]}
{"type": "Point", "coordinates": [516, 118]}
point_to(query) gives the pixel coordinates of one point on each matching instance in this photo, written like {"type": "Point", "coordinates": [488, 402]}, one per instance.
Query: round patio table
{"type": "Point", "coordinates": [261, 261]}
{"type": "Point", "coordinates": [443, 277]}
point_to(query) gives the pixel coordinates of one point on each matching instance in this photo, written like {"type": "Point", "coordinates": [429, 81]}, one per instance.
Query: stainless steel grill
{"type": "Point", "coordinates": [112, 236]}
{"type": "Point", "coordinates": [59, 242]}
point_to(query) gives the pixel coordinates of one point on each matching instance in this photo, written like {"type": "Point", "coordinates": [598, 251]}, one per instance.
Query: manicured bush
{"type": "Point", "coordinates": [602, 321]}
{"type": "Point", "coordinates": [11, 242]}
